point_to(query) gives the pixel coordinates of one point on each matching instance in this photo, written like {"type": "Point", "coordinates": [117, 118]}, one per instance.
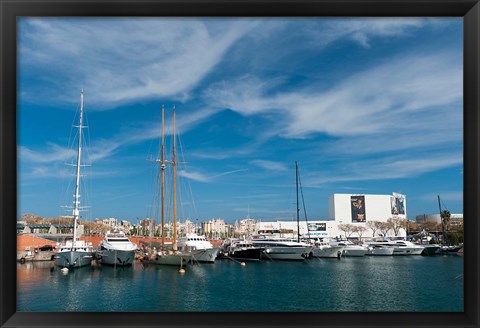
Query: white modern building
{"type": "Point", "coordinates": [353, 209]}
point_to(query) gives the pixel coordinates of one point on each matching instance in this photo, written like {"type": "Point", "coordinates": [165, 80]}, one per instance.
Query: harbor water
{"type": "Point", "coordinates": [393, 283]}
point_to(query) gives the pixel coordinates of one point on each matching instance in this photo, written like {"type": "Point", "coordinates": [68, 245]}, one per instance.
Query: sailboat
{"type": "Point", "coordinates": [73, 252]}
{"type": "Point", "coordinates": [282, 248]}
{"type": "Point", "coordinates": [320, 248]}
{"type": "Point", "coordinates": [171, 256]}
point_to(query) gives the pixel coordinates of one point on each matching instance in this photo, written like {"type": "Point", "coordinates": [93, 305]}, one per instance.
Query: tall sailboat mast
{"type": "Point", "coordinates": [174, 168]}
{"type": "Point", "coordinates": [162, 171]}
{"type": "Point", "coordinates": [298, 209]}
{"type": "Point", "coordinates": [441, 220]}
{"type": "Point", "coordinates": [76, 202]}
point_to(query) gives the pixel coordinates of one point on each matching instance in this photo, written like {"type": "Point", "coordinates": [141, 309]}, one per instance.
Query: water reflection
{"type": "Point", "coordinates": [353, 284]}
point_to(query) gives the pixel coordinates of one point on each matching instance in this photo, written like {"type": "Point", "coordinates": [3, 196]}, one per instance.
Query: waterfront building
{"type": "Point", "coordinates": [111, 222]}
{"type": "Point", "coordinates": [246, 227]}
{"type": "Point", "coordinates": [215, 228]}
{"type": "Point", "coordinates": [349, 217]}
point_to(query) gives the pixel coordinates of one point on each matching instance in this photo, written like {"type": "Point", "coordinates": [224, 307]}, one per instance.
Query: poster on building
{"type": "Point", "coordinates": [317, 226]}
{"type": "Point", "coordinates": [398, 204]}
{"type": "Point", "coordinates": [358, 208]}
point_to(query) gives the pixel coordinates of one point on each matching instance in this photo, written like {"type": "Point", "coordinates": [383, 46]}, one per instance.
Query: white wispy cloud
{"type": "Point", "coordinates": [385, 169]}
{"type": "Point", "coordinates": [119, 60]}
{"type": "Point", "coordinates": [196, 176]}
{"type": "Point", "coordinates": [362, 30]}
{"type": "Point", "coordinates": [380, 99]}
{"type": "Point", "coordinates": [269, 165]}
{"type": "Point", "coordinates": [54, 153]}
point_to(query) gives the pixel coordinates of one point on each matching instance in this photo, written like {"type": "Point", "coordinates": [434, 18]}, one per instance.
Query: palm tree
{"type": "Point", "coordinates": [445, 218]}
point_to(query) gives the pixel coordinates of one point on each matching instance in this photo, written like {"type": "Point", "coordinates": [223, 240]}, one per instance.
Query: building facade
{"type": "Point", "coordinates": [354, 210]}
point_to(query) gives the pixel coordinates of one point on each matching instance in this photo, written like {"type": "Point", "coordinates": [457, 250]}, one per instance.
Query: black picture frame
{"type": "Point", "coordinates": [10, 10]}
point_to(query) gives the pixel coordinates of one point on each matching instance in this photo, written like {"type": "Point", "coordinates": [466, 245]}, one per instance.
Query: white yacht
{"type": "Point", "coordinates": [116, 249]}
{"type": "Point", "coordinates": [380, 250]}
{"type": "Point", "coordinates": [200, 248]}
{"type": "Point", "coordinates": [324, 250]}
{"type": "Point", "coordinates": [282, 249]}
{"type": "Point", "coordinates": [350, 249]}
{"type": "Point", "coordinates": [74, 253]}
{"type": "Point", "coordinates": [401, 247]}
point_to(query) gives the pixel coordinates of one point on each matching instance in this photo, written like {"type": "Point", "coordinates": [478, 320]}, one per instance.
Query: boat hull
{"type": "Point", "coordinates": [450, 250]}
{"type": "Point", "coordinates": [287, 253]}
{"type": "Point", "coordinates": [249, 254]}
{"type": "Point", "coordinates": [354, 252]}
{"type": "Point", "coordinates": [430, 250]}
{"type": "Point", "coordinates": [380, 251]}
{"type": "Point", "coordinates": [171, 259]}
{"type": "Point", "coordinates": [407, 251]}
{"type": "Point", "coordinates": [116, 257]}
{"type": "Point", "coordinates": [327, 251]}
{"type": "Point", "coordinates": [205, 255]}
{"type": "Point", "coordinates": [73, 259]}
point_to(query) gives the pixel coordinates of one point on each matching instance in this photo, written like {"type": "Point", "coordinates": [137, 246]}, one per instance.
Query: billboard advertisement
{"type": "Point", "coordinates": [321, 226]}
{"type": "Point", "coordinates": [358, 208]}
{"type": "Point", "coordinates": [398, 204]}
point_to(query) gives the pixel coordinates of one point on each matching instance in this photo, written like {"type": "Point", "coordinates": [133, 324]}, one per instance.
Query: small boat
{"type": "Point", "coordinates": [380, 250]}
{"type": "Point", "coordinates": [350, 249]}
{"type": "Point", "coordinates": [242, 249]}
{"type": "Point", "coordinates": [73, 252]}
{"type": "Point", "coordinates": [116, 249]}
{"type": "Point", "coordinates": [200, 248]}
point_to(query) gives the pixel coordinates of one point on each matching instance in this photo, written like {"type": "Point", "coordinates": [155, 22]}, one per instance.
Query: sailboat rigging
{"type": "Point", "coordinates": [319, 248]}
{"type": "Point", "coordinates": [173, 256]}
{"type": "Point", "coordinates": [75, 253]}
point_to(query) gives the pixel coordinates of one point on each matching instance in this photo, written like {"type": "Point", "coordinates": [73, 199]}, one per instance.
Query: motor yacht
{"type": "Point", "coordinates": [349, 248]}
{"type": "Point", "coordinates": [322, 249]}
{"type": "Point", "coordinates": [283, 249]}
{"type": "Point", "coordinates": [199, 247]}
{"type": "Point", "coordinates": [116, 249]}
{"type": "Point", "coordinates": [401, 247]}
{"type": "Point", "coordinates": [380, 250]}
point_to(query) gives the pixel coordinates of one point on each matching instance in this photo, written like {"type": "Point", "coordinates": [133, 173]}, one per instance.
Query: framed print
{"type": "Point", "coordinates": [159, 160]}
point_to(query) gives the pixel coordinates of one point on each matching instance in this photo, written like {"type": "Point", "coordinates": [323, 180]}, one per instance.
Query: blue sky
{"type": "Point", "coordinates": [365, 105]}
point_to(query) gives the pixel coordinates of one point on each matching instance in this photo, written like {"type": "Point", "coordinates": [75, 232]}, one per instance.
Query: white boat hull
{"type": "Point", "coordinates": [350, 251]}
{"type": "Point", "coordinates": [380, 251]}
{"type": "Point", "coordinates": [287, 253]}
{"type": "Point", "coordinates": [408, 251]}
{"type": "Point", "coordinates": [205, 255]}
{"type": "Point", "coordinates": [73, 259]}
{"type": "Point", "coordinates": [116, 257]}
{"type": "Point", "coordinates": [327, 251]}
